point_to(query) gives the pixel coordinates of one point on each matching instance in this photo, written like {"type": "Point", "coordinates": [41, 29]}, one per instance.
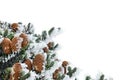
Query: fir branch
{"type": "Point", "coordinates": [49, 63]}
{"type": "Point", "coordinates": [1, 33]}
{"type": "Point", "coordinates": [38, 38]}
{"type": "Point", "coordinates": [24, 77]}
{"type": "Point", "coordinates": [87, 78]}
{"type": "Point", "coordinates": [28, 29]}
{"type": "Point", "coordinates": [56, 46]}
{"type": "Point", "coordinates": [51, 30]}
{"type": "Point", "coordinates": [5, 33]}
{"type": "Point", "coordinates": [53, 55]}
{"type": "Point", "coordinates": [71, 71]}
{"type": "Point", "coordinates": [44, 35]}
{"type": "Point", "coordinates": [60, 76]}
{"type": "Point", "coordinates": [102, 77]}
{"type": "Point", "coordinates": [10, 36]}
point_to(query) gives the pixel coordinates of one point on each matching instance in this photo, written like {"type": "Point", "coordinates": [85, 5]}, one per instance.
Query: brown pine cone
{"type": "Point", "coordinates": [17, 67]}
{"type": "Point", "coordinates": [15, 26]}
{"type": "Point", "coordinates": [14, 76]}
{"type": "Point", "coordinates": [64, 63]}
{"type": "Point", "coordinates": [28, 63]}
{"type": "Point", "coordinates": [16, 72]}
{"type": "Point", "coordinates": [50, 44]}
{"type": "Point", "coordinates": [6, 46]}
{"type": "Point", "coordinates": [38, 67]}
{"type": "Point", "coordinates": [25, 39]}
{"type": "Point", "coordinates": [45, 49]}
{"type": "Point", "coordinates": [16, 44]}
{"type": "Point", "coordinates": [56, 73]}
{"type": "Point", "coordinates": [39, 58]}
{"type": "Point", "coordinates": [38, 62]}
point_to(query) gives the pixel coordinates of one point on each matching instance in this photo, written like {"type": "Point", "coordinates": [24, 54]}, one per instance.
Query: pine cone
{"type": "Point", "coordinates": [38, 62]}
{"type": "Point", "coordinates": [16, 44]}
{"type": "Point", "coordinates": [25, 39]}
{"type": "Point", "coordinates": [16, 71]}
{"type": "Point", "coordinates": [56, 73]}
{"type": "Point", "coordinates": [64, 63]}
{"type": "Point", "coordinates": [6, 46]}
{"type": "Point", "coordinates": [45, 49]}
{"type": "Point", "coordinates": [50, 45]}
{"type": "Point", "coordinates": [28, 63]}
{"type": "Point", "coordinates": [15, 26]}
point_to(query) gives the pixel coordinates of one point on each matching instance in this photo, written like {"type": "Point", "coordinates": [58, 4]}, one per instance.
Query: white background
{"type": "Point", "coordinates": [91, 29]}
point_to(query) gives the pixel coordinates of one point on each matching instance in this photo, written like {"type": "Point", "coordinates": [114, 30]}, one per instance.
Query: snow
{"type": "Point", "coordinates": [1, 39]}
{"type": "Point", "coordinates": [37, 47]}
{"type": "Point", "coordinates": [17, 34]}
{"type": "Point", "coordinates": [31, 38]}
{"type": "Point", "coordinates": [24, 68]}
{"type": "Point", "coordinates": [33, 76]}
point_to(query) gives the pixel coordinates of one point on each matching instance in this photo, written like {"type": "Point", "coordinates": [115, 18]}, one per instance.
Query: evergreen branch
{"type": "Point", "coordinates": [87, 78]}
{"type": "Point", "coordinates": [24, 77]}
{"type": "Point", "coordinates": [44, 35]}
{"type": "Point", "coordinates": [5, 33]}
{"type": "Point", "coordinates": [71, 71]}
{"type": "Point", "coordinates": [10, 36]}
{"type": "Point", "coordinates": [102, 77]}
{"type": "Point", "coordinates": [60, 77]}
{"type": "Point", "coordinates": [51, 30]}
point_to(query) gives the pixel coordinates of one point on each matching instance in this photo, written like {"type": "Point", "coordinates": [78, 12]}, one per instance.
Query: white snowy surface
{"type": "Point", "coordinates": [91, 37]}
{"type": "Point", "coordinates": [32, 76]}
